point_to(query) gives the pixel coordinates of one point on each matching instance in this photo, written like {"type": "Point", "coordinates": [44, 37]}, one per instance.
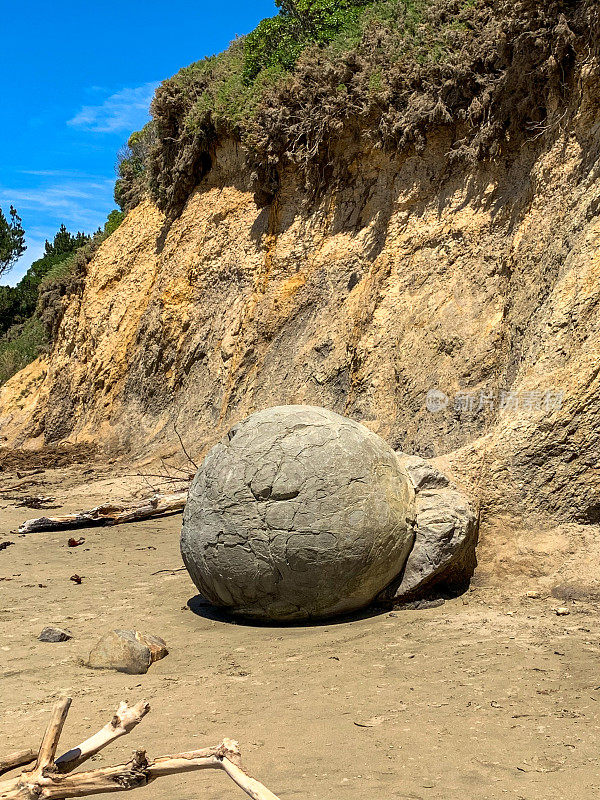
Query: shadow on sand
{"type": "Point", "coordinates": [202, 608]}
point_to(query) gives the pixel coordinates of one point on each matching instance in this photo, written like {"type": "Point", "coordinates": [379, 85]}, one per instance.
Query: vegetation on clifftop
{"type": "Point", "coordinates": [223, 92]}
{"type": "Point", "coordinates": [277, 42]}
{"type": "Point", "coordinates": [322, 76]}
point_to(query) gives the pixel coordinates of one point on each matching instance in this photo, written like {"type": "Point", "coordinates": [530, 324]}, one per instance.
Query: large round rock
{"type": "Point", "coordinates": [299, 513]}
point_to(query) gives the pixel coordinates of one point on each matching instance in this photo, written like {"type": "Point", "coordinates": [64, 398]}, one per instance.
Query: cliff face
{"type": "Point", "coordinates": [408, 278]}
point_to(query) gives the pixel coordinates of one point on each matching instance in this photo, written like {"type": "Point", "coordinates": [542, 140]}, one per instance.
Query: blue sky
{"type": "Point", "coordinates": [77, 79]}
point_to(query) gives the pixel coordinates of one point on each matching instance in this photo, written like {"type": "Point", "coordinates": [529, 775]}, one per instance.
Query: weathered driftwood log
{"type": "Point", "coordinates": [51, 778]}
{"type": "Point", "coordinates": [14, 760]}
{"type": "Point", "coordinates": [109, 514]}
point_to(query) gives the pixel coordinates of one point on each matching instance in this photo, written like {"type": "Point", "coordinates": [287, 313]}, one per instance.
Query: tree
{"type": "Point", "coordinates": [12, 240]}
{"type": "Point", "coordinates": [65, 242]}
{"type": "Point", "coordinates": [291, 8]}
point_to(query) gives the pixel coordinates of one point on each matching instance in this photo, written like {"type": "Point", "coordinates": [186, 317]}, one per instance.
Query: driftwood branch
{"type": "Point", "coordinates": [49, 744]}
{"type": "Point", "coordinates": [55, 780]}
{"type": "Point", "coordinates": [109, 514]}
{"type": "Point", "coordinates": [19, 759]}
{"type": "Point", "coordinates": [124, 721]}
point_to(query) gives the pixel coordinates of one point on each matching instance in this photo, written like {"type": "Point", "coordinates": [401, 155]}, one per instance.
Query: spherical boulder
{"type": "Point", "coordinates": [298, 513]}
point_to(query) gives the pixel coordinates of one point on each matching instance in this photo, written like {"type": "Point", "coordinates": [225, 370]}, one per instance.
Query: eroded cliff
{"type": "Point", "coordinates": [399, 283]}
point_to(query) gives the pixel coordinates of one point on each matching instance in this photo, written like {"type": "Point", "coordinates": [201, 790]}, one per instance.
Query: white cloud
{"type": "Point", "coordinates": [54, 196]}
{"type": "Point", "coordinates": [59, 173]}
{"type": "Point", "coordinates": [81, 203]}
{"type": "Point", "coordinates": [126, 110]}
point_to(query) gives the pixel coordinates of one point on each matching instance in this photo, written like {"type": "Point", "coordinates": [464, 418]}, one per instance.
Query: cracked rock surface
{"type": "Point", "coordinates": [298, 513]}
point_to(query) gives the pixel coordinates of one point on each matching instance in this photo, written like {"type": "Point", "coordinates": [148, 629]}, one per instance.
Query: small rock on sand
{"type": "Point", "coordinates": [127, 651]}
{"type": "Point", "coordinates": [53, 634]}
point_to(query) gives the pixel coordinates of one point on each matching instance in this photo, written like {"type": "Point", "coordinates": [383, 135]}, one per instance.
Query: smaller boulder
{"type": "Point", "coordinates": [446, 529]}
{"type": "Point", "coordinates": [127, 651]}
{"type": "Point", "coordinates": [443, 554]}
{"type": "Point", "coordinates": [53, 634]}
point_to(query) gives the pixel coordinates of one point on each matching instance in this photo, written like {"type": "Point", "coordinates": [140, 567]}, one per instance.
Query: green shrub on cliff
{"type": "Point", "coordinates": [131, 165]}
{"type": "Point", "coordinates": [322, 77]}
{"type": "Point", "coordinates": [249, 91]}
{"type": "Point", "coordinates": [114, 219]}
{"type": "Point", "coordinates": [341, 50]}
{"type": "Point", "coordinates": [20, 346]}
{"type": "Point", "coordinates": [279, 41]}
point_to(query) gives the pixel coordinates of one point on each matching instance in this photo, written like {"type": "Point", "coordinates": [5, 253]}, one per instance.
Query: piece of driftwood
{"type": "Point", "coordinates": [34, 501]}
{"type": "Point", "coordinates": [109, 514]}
{"type": "Point", "coordinates": [14, 760]}
{"type": "Point", "coordinates": [52, 778]}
